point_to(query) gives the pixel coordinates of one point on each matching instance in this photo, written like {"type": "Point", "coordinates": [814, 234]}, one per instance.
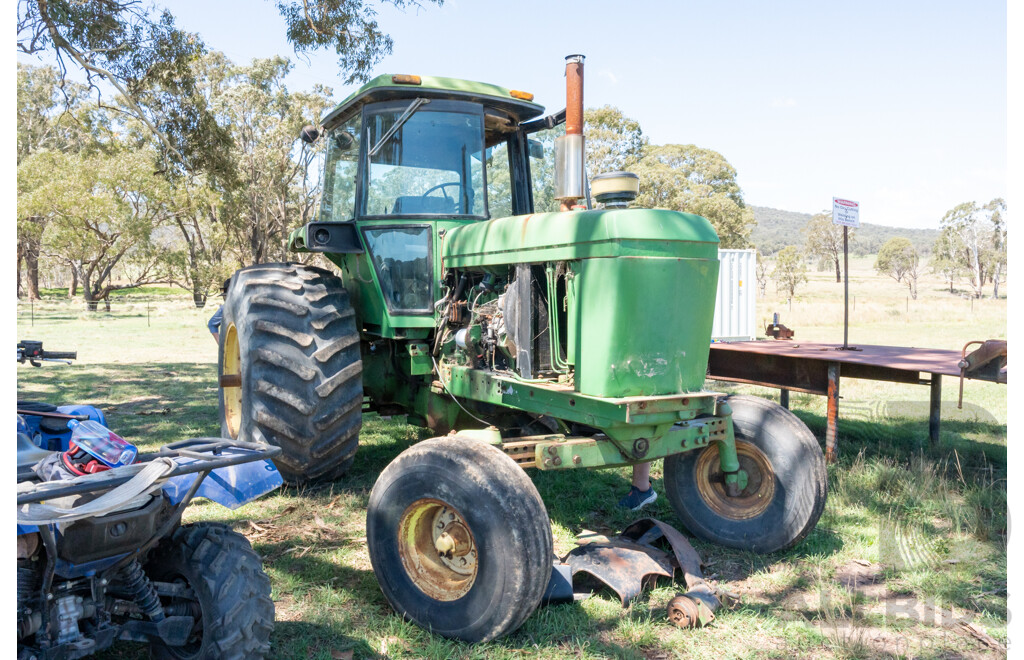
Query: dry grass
{"type": "Point", "coordinates": [911, 547]}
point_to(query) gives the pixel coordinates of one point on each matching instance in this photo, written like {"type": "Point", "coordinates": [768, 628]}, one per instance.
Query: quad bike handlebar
{"type": "Point", "coordinates": [32, 352]}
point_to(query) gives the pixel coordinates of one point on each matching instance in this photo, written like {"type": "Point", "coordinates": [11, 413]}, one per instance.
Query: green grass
{"type": "Point", "coordinates": [946, 503]}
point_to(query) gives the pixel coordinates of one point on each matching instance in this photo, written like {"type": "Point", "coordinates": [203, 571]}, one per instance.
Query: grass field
{"type": "Point", "coordinates": [908, 556]}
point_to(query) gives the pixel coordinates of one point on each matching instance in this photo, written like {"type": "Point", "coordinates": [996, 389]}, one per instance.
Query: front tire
{"type": "Point", "coordinates": [459, 539]}
{"type": "Point", "coordinates": [786, 489]}
{"type": "Point", "coordinates": [235, 614]}
{"type": "Point", "coordinates": [290, 347]}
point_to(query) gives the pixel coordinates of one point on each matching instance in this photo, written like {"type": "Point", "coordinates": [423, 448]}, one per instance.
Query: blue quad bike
{"type": "Point", "coordinates": [104, 557]}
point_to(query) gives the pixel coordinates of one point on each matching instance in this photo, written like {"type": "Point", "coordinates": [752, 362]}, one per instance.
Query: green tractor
{"type": "Point", "coordinates": [524, 338]}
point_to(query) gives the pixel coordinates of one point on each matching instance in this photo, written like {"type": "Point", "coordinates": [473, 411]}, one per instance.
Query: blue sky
{"type": "Point", "coordinates": [898, 105]}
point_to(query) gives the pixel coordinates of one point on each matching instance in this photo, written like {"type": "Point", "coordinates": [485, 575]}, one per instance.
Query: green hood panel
{"type": "Point", "coordinates": [570, 235]}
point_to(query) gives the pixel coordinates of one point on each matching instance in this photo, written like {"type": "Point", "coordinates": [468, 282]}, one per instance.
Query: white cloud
{"type": "Point", "coordinates": [605, 73]}
{"type": "Point", "coordinates": [783, 103]}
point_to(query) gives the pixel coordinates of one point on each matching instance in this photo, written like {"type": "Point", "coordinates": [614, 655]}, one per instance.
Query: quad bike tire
{"type": "Point", "coordinates": [786, 489]}
{"type": "Point", "coordinates": [290, 347]}
{"type": "Point", "coordinates": [235, 612]}
{"type": "Point", "coordinates": [496, 566]}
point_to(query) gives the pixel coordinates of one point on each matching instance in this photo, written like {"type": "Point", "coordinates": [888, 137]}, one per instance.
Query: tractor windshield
{"type": "Point", "coordinates": [429, 166]}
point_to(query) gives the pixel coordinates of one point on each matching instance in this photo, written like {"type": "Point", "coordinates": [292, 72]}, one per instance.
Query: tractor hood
{"type": "Point", "coordinates": [570, 235]}
{"type": "Point", "coordinates": [639, 292]}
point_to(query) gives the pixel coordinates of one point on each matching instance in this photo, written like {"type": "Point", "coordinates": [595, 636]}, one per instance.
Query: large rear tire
{"type": "Point", "coordinates": [459, 539]}
{"type": "Point", "coordinates": [289, 348]}
{"type": "Point", "coordinates": [785, 491]}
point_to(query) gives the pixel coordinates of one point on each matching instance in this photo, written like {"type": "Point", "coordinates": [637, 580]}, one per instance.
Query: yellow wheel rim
{"type": "Point", "coordinates": [437, 549]}
{"type": "Point", "coordinates": [752, 500]}
{"type": "Point", "coordinates": [232, 367]}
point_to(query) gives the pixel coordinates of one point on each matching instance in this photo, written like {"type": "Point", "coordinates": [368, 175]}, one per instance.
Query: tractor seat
{"type": "Point", "coordinates": [409, 204]}
{"type": "Point", "coordinates": [29, 454]}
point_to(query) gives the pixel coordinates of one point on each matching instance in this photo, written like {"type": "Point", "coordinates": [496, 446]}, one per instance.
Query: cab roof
{"type": "Point", "coordinates": [385, 87]}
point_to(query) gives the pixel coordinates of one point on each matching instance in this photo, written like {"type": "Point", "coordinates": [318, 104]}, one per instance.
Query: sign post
{"type": "Point", "coordinates": [847, 214]}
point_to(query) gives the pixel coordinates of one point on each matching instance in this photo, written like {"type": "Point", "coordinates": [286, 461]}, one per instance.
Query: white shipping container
{"type": "Point", "coordinates": [737, 295]}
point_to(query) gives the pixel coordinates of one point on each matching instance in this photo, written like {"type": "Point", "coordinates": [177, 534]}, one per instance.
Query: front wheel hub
{"type": "Point", "coordinates": [743, 494]}
{"type": "Point", "coordinates": [437, 549]}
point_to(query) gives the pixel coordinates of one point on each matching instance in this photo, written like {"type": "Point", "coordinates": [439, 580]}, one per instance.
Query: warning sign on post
{"type": "Point", "coordinates": [845, 212]}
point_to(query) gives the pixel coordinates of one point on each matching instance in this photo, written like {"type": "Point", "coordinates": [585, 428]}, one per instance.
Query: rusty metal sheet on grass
{"type": "Point", "coordinates": [621, 564]}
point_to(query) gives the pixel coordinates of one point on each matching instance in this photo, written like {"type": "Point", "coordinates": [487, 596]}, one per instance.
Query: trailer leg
{"type": "Point", "coordinates": [935, 409]}
{"type": "Point", "coordinates": [784, 398]}
{"type": "Point", "coordinates": [832, 416]}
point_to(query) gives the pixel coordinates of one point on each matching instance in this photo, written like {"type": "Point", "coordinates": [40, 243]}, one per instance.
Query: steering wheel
{"type": "Point", "coordinates": [441, 187]}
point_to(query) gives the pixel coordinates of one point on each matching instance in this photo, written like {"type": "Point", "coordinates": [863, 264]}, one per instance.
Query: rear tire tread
{"type": "Point", "coordinates": [300, 350]}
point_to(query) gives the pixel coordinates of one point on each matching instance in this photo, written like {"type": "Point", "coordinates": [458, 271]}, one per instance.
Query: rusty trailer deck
{"type": "Point", "coordinates": [815, 368]}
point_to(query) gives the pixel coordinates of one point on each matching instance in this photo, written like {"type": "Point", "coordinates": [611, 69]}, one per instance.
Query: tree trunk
{"type": "Point", "coordinates": [32, 269]}
{"type": "Point", "coordinates": [89, 295]}
{"type": "Point", "coordinates": [839, 277]}
{"type": "Point", "coordinates": [995, 281]}
{"type": "Point", "coordinates": [73, 287]}
{"type": "Point", "coordinates": [912, 283]}
{"type": "Point", "coordinates": [21, 257]}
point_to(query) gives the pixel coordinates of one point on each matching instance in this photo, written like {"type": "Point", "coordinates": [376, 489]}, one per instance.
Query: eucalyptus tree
{"type": "Point", "coordinates": [975, 238]}
{"type": "Point", "coordinates": [273, 189]}
{"type": "Point", "coordinates": [696, 180]}
{"type": "Point", "coordinates": [898, 259]}
{"type": "Point", "coordinates": [101, 210]}
{"type": "Point", "coordinates": [49, 117]}
{"type": "Point", "coordinates": [790, 270]}
{"type": "Point", "coordinates": [136, 50]}
{"type": "Point", "coordinates": [825, 240]}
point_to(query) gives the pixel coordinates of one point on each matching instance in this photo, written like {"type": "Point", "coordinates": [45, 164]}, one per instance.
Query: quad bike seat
{"type": "Point", "coordinates": [47, 424]}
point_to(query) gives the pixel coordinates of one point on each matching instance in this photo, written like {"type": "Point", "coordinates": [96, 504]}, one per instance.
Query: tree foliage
{"type": "Point", "coordinates": [691, 179]}
{"type": "Point", "coordinates": [102, 210]}
{"type": "Point", "coordinates": [137, 49]}
{"type": "Point", "coordinates": [899, 260]}
{"type": "Point", "coordinates": [974, 238]}
{"type": "Point", "coordinates": [790, 270]}
{"type": "Point", "coordinates": [348, 26]}
{"type": "Point", "coordinates": [614, 141]}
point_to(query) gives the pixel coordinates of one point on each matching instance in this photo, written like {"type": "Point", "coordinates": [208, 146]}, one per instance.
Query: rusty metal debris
{"type": "Point", "coordinates": [621, 564]}
{"type": "Point", "coordinates": [697, 606]}
{"type": "Point", "coordinates": [988, 362]}
{"type": "Point", "coordinates": [628, 562]}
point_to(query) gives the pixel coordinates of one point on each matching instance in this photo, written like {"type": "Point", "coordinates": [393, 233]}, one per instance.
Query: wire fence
{"type": "Point", "coordinates": [51, 310]}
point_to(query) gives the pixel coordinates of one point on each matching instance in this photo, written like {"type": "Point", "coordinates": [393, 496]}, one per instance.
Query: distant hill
{"type": "Point", "coordinates": [776, 229]}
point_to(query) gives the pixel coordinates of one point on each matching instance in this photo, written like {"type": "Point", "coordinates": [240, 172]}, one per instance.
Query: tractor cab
{"type": "Point", "coordinates": [409, 158]}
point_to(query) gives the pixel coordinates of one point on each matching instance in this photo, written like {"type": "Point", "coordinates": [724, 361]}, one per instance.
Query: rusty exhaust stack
{"type": "Point", "coordinates": [570, 174]}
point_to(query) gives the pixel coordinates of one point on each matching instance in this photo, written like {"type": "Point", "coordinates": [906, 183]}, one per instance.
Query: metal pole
{"type": "Point", "coordinates": [832, 414]}
{"type": "Point", "coordinates": [935, 409]}
{"type": "Point", "coordinates": [784, 398]}
{"type": "Point", "coordinates": [846, 287]}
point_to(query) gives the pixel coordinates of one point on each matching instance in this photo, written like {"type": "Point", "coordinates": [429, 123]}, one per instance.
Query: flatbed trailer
{"type": "Point", "coordinates": [815, 368]}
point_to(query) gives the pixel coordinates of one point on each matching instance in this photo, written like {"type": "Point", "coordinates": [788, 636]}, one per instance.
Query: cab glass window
{"type": "Point", "coordinates": [401, 256]}
{"type": "Point", "coordinates": [499, 181]}
{"type": "Point", "coordinates": [424, 159]}
{"type": "Point", "coordinates": [339, 196]}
